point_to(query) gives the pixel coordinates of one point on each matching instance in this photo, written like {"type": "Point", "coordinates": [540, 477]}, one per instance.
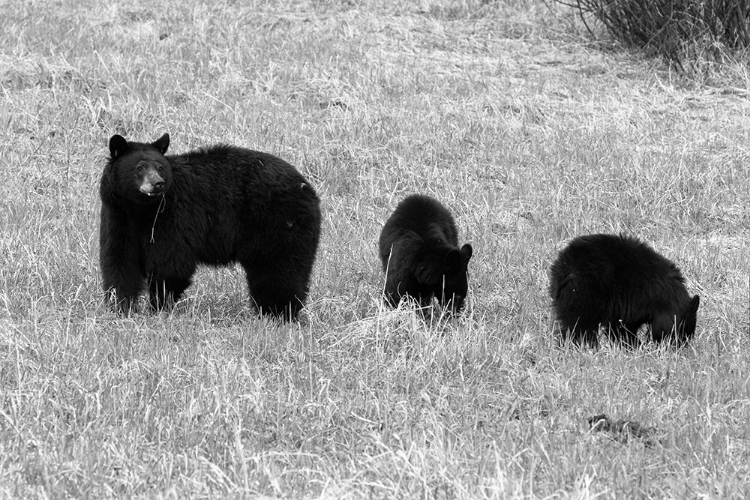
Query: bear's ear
{"type": "Point", "coordinates": [452, 261]}
{"type": "Point", "coordinates": [690, 316]}
{"type": "Point", "coordinates": [117, 146]}
{"type": "Point", "coordinates": [695, 303]}
{"type": "Point", "coordinates": [161, 144]}
{"type": "Point", "coordinates": [467, 252]}
{"type": "Point", "coordinates": [691, 311]}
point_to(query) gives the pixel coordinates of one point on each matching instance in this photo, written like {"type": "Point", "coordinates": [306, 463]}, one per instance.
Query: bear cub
{"type": "Point", "coordinates": [420, 255]}
{"type": "Point", "coordinates": [619, 282]}
{"type": "Point", "coordinates": [162, 215]}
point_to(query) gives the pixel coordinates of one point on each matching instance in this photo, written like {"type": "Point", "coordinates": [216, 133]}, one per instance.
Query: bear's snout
{"type": "Point", "coordinates": [153, 184]}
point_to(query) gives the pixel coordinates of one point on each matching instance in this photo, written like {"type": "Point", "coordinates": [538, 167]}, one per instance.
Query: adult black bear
{"type": "Point", "coordinates": [420, 254]}
{"type": "Point", "coordinates": [163, 215]}
{"type": "Point", "coordinates": [619, 282]}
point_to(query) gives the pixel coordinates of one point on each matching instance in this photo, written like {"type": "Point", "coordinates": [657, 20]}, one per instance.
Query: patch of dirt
{"type": "Point", "coordinates": [623, 430]}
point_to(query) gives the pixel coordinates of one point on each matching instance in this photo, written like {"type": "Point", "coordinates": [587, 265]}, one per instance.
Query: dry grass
{"type": "Point", "coordinates": [497, 108]}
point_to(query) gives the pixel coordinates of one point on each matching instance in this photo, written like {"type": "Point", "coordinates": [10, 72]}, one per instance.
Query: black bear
{"type": "Point", "coordinates": [420, 254]}
{"type": "Point", "coordinates": [619, 282]}
{"type": "Point", "coordinates": [163, 215]}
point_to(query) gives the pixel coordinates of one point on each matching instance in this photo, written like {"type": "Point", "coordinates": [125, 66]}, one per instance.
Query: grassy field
{"type": "Point", "coordinates": [503, 110]}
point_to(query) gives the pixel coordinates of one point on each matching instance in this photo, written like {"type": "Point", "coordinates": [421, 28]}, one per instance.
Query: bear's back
{"type": "Point", "coordinates": [605, 266]}
{"type": "Point", "coordinates": [235, 164]}
{"type": "Point", "coordinates": [620, 257]}
{"type": "Point", "coordinates": [425, 217]}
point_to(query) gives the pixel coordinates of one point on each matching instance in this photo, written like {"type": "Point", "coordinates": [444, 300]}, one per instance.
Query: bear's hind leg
{"type": "Point", "coordinates": [578, 332]}
{"type": "Point", "coordinates": [277, 291]}
{"type": "Point", "coordinates": [272, 299]}
{"type": "Point", "coordinates": [399, 285]}
{"type": "Point", "coordinates": [585, 335]}
{"type": "Point", "coordinates": [164, 293]}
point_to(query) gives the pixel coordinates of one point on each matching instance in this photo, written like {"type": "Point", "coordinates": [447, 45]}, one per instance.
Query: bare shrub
{"type": "Point", "coordinates": [678, 30]}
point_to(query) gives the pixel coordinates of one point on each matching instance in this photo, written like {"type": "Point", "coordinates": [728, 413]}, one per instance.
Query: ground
{"type": "Point", "coordinates": [509, 113]}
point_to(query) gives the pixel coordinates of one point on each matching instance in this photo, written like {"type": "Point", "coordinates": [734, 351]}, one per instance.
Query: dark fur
{"type": "Point", "coordinates": [163, 215]}
{"type": "Point", "coordinates": [622, 283]}
{"type": "Point", "coordinates": [420, 254]}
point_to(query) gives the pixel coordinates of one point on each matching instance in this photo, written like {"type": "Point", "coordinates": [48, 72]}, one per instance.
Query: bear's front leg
{"type": "Point", "coordinates": [122, 278]}
{"type": "Point", "coordinates": [164, 293]}
{"type": "Point", "coordinates": [122, 284]}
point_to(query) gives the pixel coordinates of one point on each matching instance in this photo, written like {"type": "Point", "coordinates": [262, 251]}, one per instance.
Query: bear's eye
{"type": "Point", "coordinates": [139, 168]}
